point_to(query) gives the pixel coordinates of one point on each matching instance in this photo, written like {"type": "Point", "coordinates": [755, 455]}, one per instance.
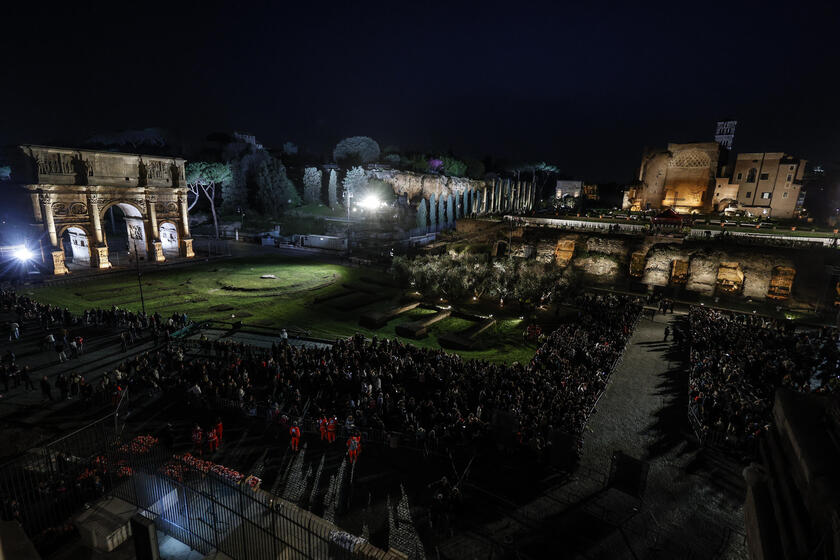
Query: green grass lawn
{"type": "Point", "coordinates": [233, 290]}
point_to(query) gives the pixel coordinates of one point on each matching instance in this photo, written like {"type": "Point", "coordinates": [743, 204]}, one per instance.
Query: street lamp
{"type": "Point", "coordinates": [348, 195]}
{"type": "Point", "coordinates": [139, 276]}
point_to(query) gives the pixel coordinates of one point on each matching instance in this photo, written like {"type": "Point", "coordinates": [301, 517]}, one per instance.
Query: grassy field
{"type": "Point", "coordinates": [298, 297]}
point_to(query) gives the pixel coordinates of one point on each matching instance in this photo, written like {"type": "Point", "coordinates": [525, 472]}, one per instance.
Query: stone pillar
{"type": "Point", "coordinates": [154, 230]}
{"type": "Point", "coordinates": [98, 247]}
{"type": "Point", "coordinates": [186, 239]}
{"type": "Point", "coordinates": [517, 200]}
{"type": "Point", "coordinates": [49, 219]}
{"type": "Point", "coordinates": [56, 251]}
{"type": "Point", "coordinates": [497, 194]}
{"type": "Point", "coordinates": [93, 200]}
{"type": "Point", "coordinates": [512, 204]}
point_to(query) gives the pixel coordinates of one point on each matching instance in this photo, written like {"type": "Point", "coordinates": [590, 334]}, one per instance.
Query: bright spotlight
{"type": "Point", "coordinates": [23, 254]}
{"type": "Point", "coordinates": [370, 202]}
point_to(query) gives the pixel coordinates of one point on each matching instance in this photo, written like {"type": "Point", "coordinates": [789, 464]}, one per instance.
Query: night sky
{"type": "Point", "coordinates": [584, 86]}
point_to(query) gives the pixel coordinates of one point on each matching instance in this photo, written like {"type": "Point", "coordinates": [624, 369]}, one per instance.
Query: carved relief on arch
{"type": "Point", "coordinates": [78, 208]}
{"type": "Point", "coordinates": [171, 207]}
{"type": "Point", "coordinates": [59, 209]}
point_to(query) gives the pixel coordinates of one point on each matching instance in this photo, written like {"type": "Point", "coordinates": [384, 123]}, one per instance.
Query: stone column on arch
{"type": "Point", "coordinates": [98, 246]}
{"type": "Point", "coordinates": [186, 239]}
{"type": "Point", "coordinates": [157, 246]}
{"type": "Point", "coordinates": [56, 251]}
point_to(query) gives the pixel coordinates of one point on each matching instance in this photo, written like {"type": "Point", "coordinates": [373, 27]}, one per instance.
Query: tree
{"type": "Point", "coordinates": [355, 183]}
{"type": "Point", "coordinates": [290, 148]}
{"type": "Point", "coordinates": [312, 178]}
{"type": "Point", "coordinates": [433, 210]}
{"type": "Point", "coordinates": [356, 150]}
{"type": "Point", "coordinates": [332, 188]}
{"type": "Point", "coordinates": [205, 176]}
{"type": "Point", "coordinates": [416, 162]}
{"type": "Point", "coordinates": [5, 172]}
{"type": "Point", "coordinates": [422, 214]}
{"type": "Point", "coordinates": [275, 192]}
{"type": "Point", "coordinates": [475, 168]}
{"type": "Point", "coordinates": [454, 167]}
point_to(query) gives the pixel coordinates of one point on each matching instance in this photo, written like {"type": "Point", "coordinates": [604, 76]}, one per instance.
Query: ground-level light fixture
{"type": "Point", "coordinates": [23, 254]}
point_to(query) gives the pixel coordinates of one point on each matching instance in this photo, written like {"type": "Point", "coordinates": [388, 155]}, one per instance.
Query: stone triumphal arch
{"type": "Point", "coordinates": [71, 191]}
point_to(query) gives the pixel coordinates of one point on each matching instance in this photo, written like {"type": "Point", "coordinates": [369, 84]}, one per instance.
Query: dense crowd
{"type": "Point", "coordinates": [738, 361]}
{"type": "Point", "coordinates": [63, 334]}
{"type": "Point", "coordinates": [430, 396]}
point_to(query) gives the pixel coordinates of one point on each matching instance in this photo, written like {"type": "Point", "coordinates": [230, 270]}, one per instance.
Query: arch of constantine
{"type": "Point", "coordinates": [70, 190]}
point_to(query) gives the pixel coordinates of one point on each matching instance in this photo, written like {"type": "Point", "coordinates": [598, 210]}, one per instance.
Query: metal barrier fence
{"type": "Point", "coordinates": [47, 484]}
{"type": "Point", "coordinates": [209, 512]}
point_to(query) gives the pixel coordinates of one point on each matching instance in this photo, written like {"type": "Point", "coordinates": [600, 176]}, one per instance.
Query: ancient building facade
{"type": "Point", "coordinates": [70, 191]}
{"type": "Point", "coordinates": [768, 184]}
{"type": "Point", "coordinates": [681, 177]}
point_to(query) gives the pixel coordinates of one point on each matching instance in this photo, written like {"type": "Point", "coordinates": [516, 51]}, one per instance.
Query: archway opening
{"type": "Point", "coordinates": [169, 239]}
{"type": "Point", "coordinates": [679, 271]}
{"type": "Point", "coordinates": [781, 282]}
{"type": "Point", "coordinates": [76, 247]}
{"type": "Point", "coordinates": [730, 278]}
{"type": "Point", "coordinates": [127, 240]}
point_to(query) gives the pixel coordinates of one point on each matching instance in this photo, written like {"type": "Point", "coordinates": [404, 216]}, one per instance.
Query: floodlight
{"type": "Point", "coordinates": [23, 254]}
{"type": "Point", "coordinates": [370, 202]}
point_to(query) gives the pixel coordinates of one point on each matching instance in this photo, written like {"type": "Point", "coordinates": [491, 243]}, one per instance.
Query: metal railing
{"type": "Point", "coordinates": [47, 485]}
{"type": "Point", "coordinates": [209, 512]}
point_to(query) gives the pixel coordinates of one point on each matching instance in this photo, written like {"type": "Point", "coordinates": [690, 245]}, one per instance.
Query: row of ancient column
{"type": "Point", "coordinates": [506, 196]}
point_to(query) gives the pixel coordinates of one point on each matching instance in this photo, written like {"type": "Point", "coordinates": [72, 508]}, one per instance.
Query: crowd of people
{"type": "Point", "coordinates": [738, 361]}
{"type": "Point", "coordinates": [62, 333]}
{"type": "Point", "coordinates": [429, 396]}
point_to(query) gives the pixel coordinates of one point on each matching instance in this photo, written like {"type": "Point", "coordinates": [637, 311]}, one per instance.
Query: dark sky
{"type": "Point", "coordinates": [585, 86]}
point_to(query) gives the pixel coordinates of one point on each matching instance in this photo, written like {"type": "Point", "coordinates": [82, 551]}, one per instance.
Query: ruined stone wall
{"type": "Point", "coordinates": [605, 259]}
{"type": "Point", "coordinates": [424, 184]}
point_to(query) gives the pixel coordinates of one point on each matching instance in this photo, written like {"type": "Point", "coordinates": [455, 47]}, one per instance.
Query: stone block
{"type": "Point", "coordinates": [187, 248]}
{"type": "Point", "coordinates": [59, 268]}
{"type": "Point", "coordinates": [105, 525]}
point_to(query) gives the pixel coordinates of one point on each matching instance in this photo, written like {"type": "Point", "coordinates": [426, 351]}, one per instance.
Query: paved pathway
{"type": "Point", "coordinates": [689, 508]}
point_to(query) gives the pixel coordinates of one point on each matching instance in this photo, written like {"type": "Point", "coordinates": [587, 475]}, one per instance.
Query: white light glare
{"type": "Point", "coordinates": [23, 254]}
{"type": "Point", "coordinates": [370, 202]}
